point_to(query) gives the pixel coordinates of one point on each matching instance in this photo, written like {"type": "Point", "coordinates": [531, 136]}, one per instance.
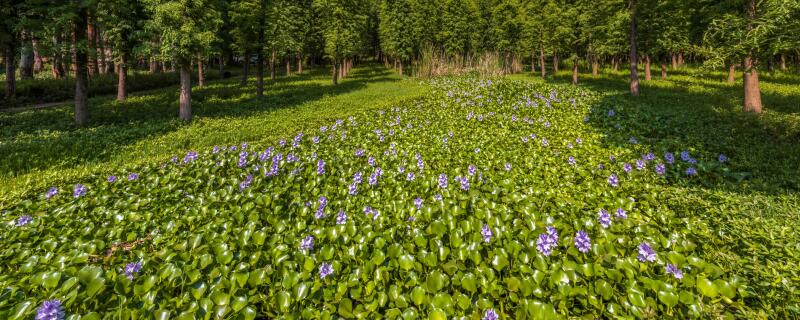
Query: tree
{"type": "Point", "coordinates": [341, 23]}
{"type": "Point", "coordinates": [186, 28]}
{"type": "Point", "coordinates": [123, 23]}
{"type": "Point", "coordinates": [634, 83]}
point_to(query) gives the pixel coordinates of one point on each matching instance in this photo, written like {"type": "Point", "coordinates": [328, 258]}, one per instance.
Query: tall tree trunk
{"type": "Point", "coordinates": [542, 68]}
{"type": "Point", "coordinates": [663, 68]}
{"type": "Point", "coordinates": [245, 68]}
{"type": "Point", "coordinates": [680, 59]}
{"type": "Point", "coordinates": [122, 77]}
{"type": "Point", "coordinates": [634, 84]}
{"type": "Point", "coordinates": [153, 65]}
{"type": "Point", "coordinates": [260, 73]}
{"type": "Point", "coordinates": [81, 72]}
{"type": "Point", "coordinates": [38, 62]}
{"type": "Point", "coordinates": [26, 56]}
{"type": "Point", "coordinates": [574, 71]}
{"type": "Point", "coordinates": [595, 67]}
{"type": "Point", "coordinates": [615, 63]}
{"type": "Point", "coordinates": [58, 64]}
{"type": "Point", "coordinates": [647, 75]}
{"type": "Point", "coordinates": [101, 48]}
{"type": "Point", "coordinates": [731, 73]}
{"type": "Point", "coordinates": [752, 92]}
{"type": "Point", "coordinates": [299, 63]}
{"type": "Point", "coordinates": [201, 78]}
{"type": "Point", "coordinates": [533, 62]}
{"type": "Point", "coordinates": [94, 69]}
{"type": "Point", "coordinates": [770, 65]}
{"type": "Point", "coordinates": [221, 64]}
{"type": "Point", "coordinates": [335, 73]}
{"type": "Point", "coordinates": [272, 66]}
{"type": "Point", "coordinates": [288, 66]}
{"type": "Point", "coordinates": [11, 70]}
{"type": "Point", "coordinates": [555, 63]}
{"type": "Point", "coordinates": [674, 60]}
{"type": "Point", "coordinates": [401, 67]}
{"type": "Point", "coordinates": [185, 110]}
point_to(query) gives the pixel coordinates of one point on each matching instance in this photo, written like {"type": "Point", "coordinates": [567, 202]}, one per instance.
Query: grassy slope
{"type": "Point", "coordinates": [42, 148]}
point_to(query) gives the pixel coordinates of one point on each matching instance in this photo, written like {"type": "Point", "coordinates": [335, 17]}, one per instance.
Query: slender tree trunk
{"type": "Point", "coordinates": [101, 48]}
{"type": "Point", "coordinates": [201, 78]}
{"type": "Point", "coordinates": [634, 84]}
{"type": "Point", "coordinates": [94, 68]}
{"type": "Point", "coordinates": [288, 66]}
{"type": "Point", "coordinates": [58, 64]}
{"type": "Point", "coordinates": [542, 68]}
{"type": "Point", "coordinates": [272, 66]}
{"type": "Point", "coordinates": [81, 72]}
{"type": "Point", "coordinates": [752, 92]}
{"type": "Point", "coordinates": [26, 56]}
{"type": "Point", "coordinates": [260, 73]}
{"type": "Point", "coordinates": [533, 62]}
{"type": "Point", "coordinates": [122, 78]}
{"type": "Point", "coordinates": [11, 70]}
{"type": "Point", "coordinates": [595, 67]}
{"type": "Point", "coordinates": [770, 65]}
{"type": "Point", "coordinates": [221, 64]}
{"type": "Point", "coordinates": [783, 62]}
{"type": "Point", "coordinates": [731, 73]}
{"type": "Point", "coordinates": [185, 110]}
{"type": "Point", "coordinates": [401, 67]}
{"type": "Point", "coordinates": [555, 63]}
{"type": "Point", "coordinates": [574, 71]}
{"type": "Point", "coordinates": [335, 73]}
{"type": "Point", "coordinates": [674, 61]}
{"type": "Point", "coordinates": [647, 75]}
{"type": "Point", "coordinates": [38, 62]}
{"type": "Point", "coordinates": [299, 63]}
{"type": "Point", "coordinates": [663, 69]}
{"type": "Point", "coordinates": [245, 68]}
{"type": "Point", "coordinates": [615, 63]}
{"type": "Point", "coordinates": [153, 65]}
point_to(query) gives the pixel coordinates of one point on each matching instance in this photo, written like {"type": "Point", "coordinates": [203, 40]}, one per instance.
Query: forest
{"type": "Point", "coordinates": [399, 159]}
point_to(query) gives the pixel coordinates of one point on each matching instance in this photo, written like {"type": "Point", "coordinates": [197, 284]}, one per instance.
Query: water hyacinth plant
{"type": "Point", "coordinates": [229, 231]}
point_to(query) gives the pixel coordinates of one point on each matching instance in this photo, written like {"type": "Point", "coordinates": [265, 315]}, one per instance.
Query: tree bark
{"type": "Point", "coordinates": [555, 63]}
{"type": "Point", "coordinates": [245, 68]}
{"type": "Point", "coordinates": [38, 62]}
{"type": "Point", "coordinates": [185, 111]}
{"type": "Point", "coordinates": [26, 56]}
{"type": "Point", "coordinates": [783, 62]}
{"type": "Point", "coordinates": [260, 73]}
{"type": "Point", "coordinates": [288, 66]}
{"type": "Point", "coordinates": [674, 61]}
{"type": "Point", "coordinates": [335, 73]}
{"type": "Point", "coordinates": [542, 68]}
{"type": "Point", "coordinates": [81, 72]}
{"type": "Point", "coordinates": [574, 71]}
{"type": "Point", "coordinates": [299, 63]}
{"type": "Point", "coordinates": [153, 65]}
{"type": "Point", "coordinates": [122, 78]}
{"type": "Point", "coordinates": [752, 92]}
{"type": "Point", "coordinates": [11, 70]}
{"type": "Point", "coordinates": [201, 78]}
{"type": "Point", "coordinates": [401, 67]}
{"type": "Point", "coordinates": [634, 84]}
{"type": "Point", "coordinates": [731, 73]}
{"type": "Point", "coordinates": [770, 65]}
{"type": "Point", "coordinates": [647, 75]}
{"type": "Point", "coordinates": [272, 66]}
{"type": "Point", "coordinates": [94, 68]}
{"type": "Point", "coordinates": [101, 48]}
{"type": "Point", "coordinates": [58, 64]}
{"type": "Point", "coordinates": [595, 67]}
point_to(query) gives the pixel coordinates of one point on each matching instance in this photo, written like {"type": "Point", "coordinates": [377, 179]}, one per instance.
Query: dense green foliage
{"type": "Point", "coordinates": [211, 245]}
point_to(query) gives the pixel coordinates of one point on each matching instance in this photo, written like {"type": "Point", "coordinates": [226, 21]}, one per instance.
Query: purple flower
{"type": "Point", "coordinates": [582, 241]}
{"type": "Point", "coordinates": [112, 179]}
{"type": "Point", "coordinates": [604, 218]}
{"type": "Point", "coordinates": [722, 158]}
{"type": "Point", "coordinates": [246, 183]}
{"type": "Point", "coordinates": [646, 253]}
{"type": "Point", "coordinates": [613, 180]}
{"type": "Point", "coordinates": [410, 176]}
{"type": "Point", "coordinates": [524, 139]}
{"type": "Point", "coordinates": [471, 170]}
{"type": "Point", "coordinates": [649, 156]}
{"type": "Point", "coordinates": [315, 139]}
{"type": "Point", "coordinates": [661, 169]}
{"type": "Point", "coordinates": [352, 189]}
{"type": "Point", "coordinates": [132, 269]}
{"type": "Point", "coordinates": [544, 142]}
{"type": "Point", "coordinates": [490, 315]}
{"type": "Point", "coordinates": [547, 241]}
{"type": "Point", "coordinates": [52, 192]}
{"type": "Point", "coordinates": [578, 140]}
{"type": "Point", "coordinates": [627, 167]}
{"type": "Point", "coordinates": [464, 184]}
{"type": "Point", "coordinates": [215, 150]}
{"type": "Point", "coordinates": [321, 166]}
{"type": "Point", "coordinates": [371, 161]}
{"type": "Point", "coordinates": [79, 191]}
{"type": "Point", "coordinates": [325, 270]}
{"type": "Point", "coordinates": [23, 220]}
{"type": "Point", "coordinates": [691, 171]}
{"type": "Point", "coordinates": [486, 233]}
{"type": "Point", "coordinates": [341, 218]}
{"type": "Point", "coordinates": [437, 197]}
{"type": "Point", "coordinates": [307, 244]}
{"type": "Point", "coordinates": [50, 310]}
{"type": "Point", "coordinates": [571, 160]}
{"type": "Point", "coordinates": [412, 218]}
{"type": "Point", "coordinates": [675, 271]}
{"type": "Point", "coordinates": [192, 155]}
{"type": "Point", "coordinates": [633, 140]}
{"type": "Point", "coordinates": [611, 113]}
{"type": "Point", "coordinates": [360, 153]}
{"type": "Point", "coordinates": [621, 214]}
{"type": "Point", "coordinates": [282, 143]}
{"type": "Point", "coordinates": [357, 177]}
{"type": "Point", "coordinates": [443, 181]}
{"type": "Point", "coordinates": [669, 158]}
{"type": "Point", "coordinates": [640, 165]}
{"type": "Point", "coordinates": [477, 150]}
{"type": "Point", "coordinates": [373, 179]}
{"type": "Point", "coordinates": [685, 156]}
{"type": "Point", "coordinates": [508, 166]}
{"type": "Point", "coordinates": [133, 176]}
{"type": "Point", "coordinates": [401, 169]}
{"type": "Point", "coordinates": [418, 203]}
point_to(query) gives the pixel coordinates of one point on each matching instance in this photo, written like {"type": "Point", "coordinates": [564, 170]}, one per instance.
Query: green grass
{"type": "Point", "coordinates": [40, 148]}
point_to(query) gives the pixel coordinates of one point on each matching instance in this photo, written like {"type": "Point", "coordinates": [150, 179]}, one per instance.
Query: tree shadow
{"type": "Point", "coordinates": [705, 118]}
{"type": "Point", "coordinates": [42, 139]}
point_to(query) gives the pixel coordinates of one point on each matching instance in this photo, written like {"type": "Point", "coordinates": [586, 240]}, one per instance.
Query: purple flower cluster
{"type": "Point", "coordinates": [321, 167]}
{"type": "Point", "coordinates": [604, 218]}
{"type": "Point", "coordinates": [627, 167]}
{"type": "Point", "coordinates": [307, 244]}
{"type": "Point", "coordinates": [640, 164]}
{"type": "Point", "coordinates": [23, 220]}
{"type": "Point", "coordinates": [691, 171]}
{"type": "Point", "coordinates": [360, 153]}
{"type": "Point", "coordinates": [722, 158]}
{"type": "Point", "coordinates": [674, 271]}
{"type": "Point", "coordinates": [621, 214]}
{"type": "Point", "coordinates": [133, 176]}
{"type": "Point", "coordinates": [132, 269]}
{"type": "Point", "coordinates": [613, 180]}
{"type": "Point", "coordinates": [547, 241]}
{"type": "Point", "coordinates": [646, 253]}
{"type": "Point", "coordinates": [410, 176]}
{"type": "Point", "coordinates": [323, 202]}
{"type": "Point", "coordinates": [242, 159]}
{"type": "Point", "coordinates": [50, 310]}
{"type": "Point", "coordinates": [325, 270]}
{"type": "Point", "coordinates": [486, 233]}
{"type": "Point", "coordinates": [79, 191]}
{"type": "Point", "coordinates": [341, 218]}
{"type": "Point", "coordinates": [443, 181]}
{"type": "Point", "coordinates": [192, 156]}
{"type": "Point", "coordinates": [471, 170]}
{"type": "Point", "coordinates": [112, 179]}
{"type": "Point", "coordinates": [418, 203]}
{"type": "Point", "coordinates": [571, 160]}
{"type": "Point", "coordinates": [52, 192]}
{"type": "Point", "coordinates": [582, 241]}
{"type": "Point", "coordinates": [490, 315]}
{"type": "Point", "coordinates": [661, 169]}
{"type": "Point", "coordinates": [246, 182]}
{"type": "Point", "coordinates": [508, 166]}
{"type": "Point", "coordinates": [669, 158]}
